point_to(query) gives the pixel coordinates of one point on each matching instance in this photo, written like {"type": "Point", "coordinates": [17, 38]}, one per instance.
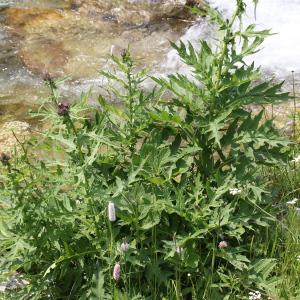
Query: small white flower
{"type": "Point", "coordinates": [189, 274]}
{"type": "Point", "coordinates": [297, 210]}
{"type": "Point", "coordinates": [256, 295]}
{"type": "Point", "coordinates": [223, 244]}
{"type": "Point", "coordinates": [234, 191]}
{"type": "Point", "coordinates": [292, 202]}
{"type": "Point", "coordinates": [296, 159]}
{"type": "Point", "coordinates": [111, 212]}
{"type": "Point", "coordinates": [298, 258]}
{"type": "Point", "coordinates": [125, 246]}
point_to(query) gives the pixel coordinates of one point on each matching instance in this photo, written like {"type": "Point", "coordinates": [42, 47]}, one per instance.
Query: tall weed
{"type": "Point", "coordinates": [162, 197]}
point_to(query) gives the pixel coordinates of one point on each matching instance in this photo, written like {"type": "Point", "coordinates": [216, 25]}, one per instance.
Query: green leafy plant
{"type": "Point", "coordinates": [157, 198]}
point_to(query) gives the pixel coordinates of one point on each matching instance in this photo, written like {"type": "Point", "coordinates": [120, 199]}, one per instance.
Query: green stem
{"type": "Point", "coordinates": [226, 41]}
{"type": "Point", "coordinates": [86, 183]}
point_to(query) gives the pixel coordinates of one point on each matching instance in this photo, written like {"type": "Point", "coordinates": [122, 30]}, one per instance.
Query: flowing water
{"type": "Point", "coordinates": [53, 36]}
{"type": "Point", "coordinates": [39, 37]}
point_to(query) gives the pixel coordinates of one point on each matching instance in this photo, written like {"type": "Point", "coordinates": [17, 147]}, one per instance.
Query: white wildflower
{"type": "Point", "coordinates": [234, 191]}
{"type": "Point", "coordinates": [298, 258]}
{"type": "Point", "coordinates": [256, 295]}
{"type": "Point", "coordinates": [125, 246]}
{"type": "Point", "coordinates": [111, 212]}
{"type": "Point", "coordinates": [297, 210]}
{"type": "Point", "coordinates": [296, 159]}
{"type": "Point", "coordinates": [292, 202]}
{"type": "Point", "coordinates": [223, 244]}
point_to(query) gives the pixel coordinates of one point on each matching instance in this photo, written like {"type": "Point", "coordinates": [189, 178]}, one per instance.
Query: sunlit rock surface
{"type": "Point", "coordinates": [135, 12]}
{"type": "Point", "coordinates": [11, 133]}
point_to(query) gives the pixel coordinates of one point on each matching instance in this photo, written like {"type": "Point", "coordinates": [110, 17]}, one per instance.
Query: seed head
{"type": "Point", "coordinates": [117, 272]}
{"type": "Point", "coordinates": [4, 158]}
{"type": "Point", "coordinates": [63, 108]}
{"type": "Point", "coordinates": [111, 212]}
{"type": "Point", "coordinates": [223, 244]}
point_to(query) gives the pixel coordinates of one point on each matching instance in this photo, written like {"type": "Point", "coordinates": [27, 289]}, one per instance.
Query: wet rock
{"type": "Point", "coordinates": [8, 133]}
{"type": "Point", "coordinates": [71, 43]}
{"type": "Point", "coordinates": [136, 12]}
{"type": "Point", "coordinates": [78, 41]}
{"type": "Point", "coordinates": [49, 57]}
{"type": "Point", "coordinates": [19, 18]}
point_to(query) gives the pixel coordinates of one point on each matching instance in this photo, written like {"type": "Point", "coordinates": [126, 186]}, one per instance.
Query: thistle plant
{"type": "Point", "coordinates": [182, 164]}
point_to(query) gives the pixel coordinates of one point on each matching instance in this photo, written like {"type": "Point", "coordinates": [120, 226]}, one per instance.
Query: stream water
{"type": "Point", "coordinates": [39, 36]}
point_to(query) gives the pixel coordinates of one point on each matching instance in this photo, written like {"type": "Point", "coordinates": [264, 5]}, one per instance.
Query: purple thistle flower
{"type": "Point", "coordinates": [63, 108]}
{"type": "Point", "coordinates": [117, 272]}
{"type": "Point", "coordinates": [124, 54]}
{"type": "Point", "coordinates": [4, 158]}
{"type": "Point", "coordinates": [223, 244]}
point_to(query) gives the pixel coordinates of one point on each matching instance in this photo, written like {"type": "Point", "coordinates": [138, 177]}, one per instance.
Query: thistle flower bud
{"type": "Point", "coordinates": [4, 158]}
{"type": "Point", "coordinates": [124, 246]}
{"type": "Point", "coordinates": [123, 54]}
{"type": "Point", "coordinates": [111, 212]}
{"type": "Point", "coordinates": [223, 244]}
{"type": "Point", "coordinates": [63, 108]}
{"type": "Point", "coordinates": [47, 77]}
{"type": "Point", "coordinates": [117, 272]}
